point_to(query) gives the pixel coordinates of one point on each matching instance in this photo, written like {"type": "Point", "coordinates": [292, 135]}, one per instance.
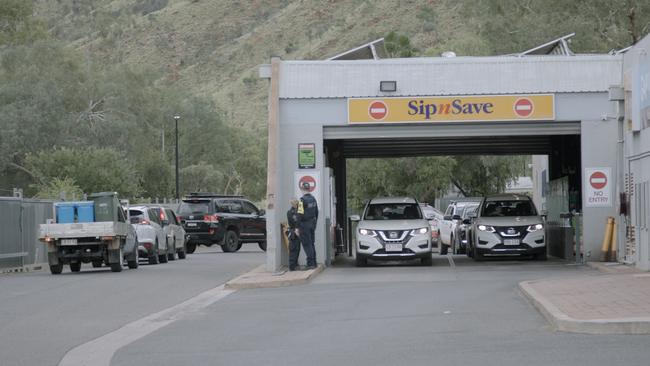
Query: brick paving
{"type": "Point", "coordinates": [601, 297]}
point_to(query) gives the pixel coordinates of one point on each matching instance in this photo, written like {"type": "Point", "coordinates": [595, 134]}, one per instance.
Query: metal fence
{"type": "Point", "coordinates": [19, 220]}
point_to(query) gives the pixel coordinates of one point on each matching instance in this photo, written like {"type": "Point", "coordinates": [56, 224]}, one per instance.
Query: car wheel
{"type": "Point", "coordinates": [133, 264]}
{"type": "Point", "coordinates": [181, 253]}
{"type": "Point", "coordinates": [427, 261]}
{"type": "Point", "coordinates": [262, 245]}
{"type": "Point", "coordinates": [191, 248]}
{"type": "Point", "coordinates": [540, 257]}
{"type": "Point", "coordinates": [361, 261]}
{"type": "Point", "coordinates": [117, 266]}
{"type": "Point", "coordinates": [153, 257]}
{"type": "Point", "coordinates": [75, 267]}
{"type": "Point", "coordinates": [476, 255]}
{"type": "Point", "coordinates": [56, 269]}
{"type": "Point", "coordinates": [97, 264]}
{"type": "Point", "coordinates": [230, 242]}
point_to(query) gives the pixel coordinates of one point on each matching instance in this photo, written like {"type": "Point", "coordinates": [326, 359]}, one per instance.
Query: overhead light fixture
{"type": "Point", "coordinates": [388, 86]}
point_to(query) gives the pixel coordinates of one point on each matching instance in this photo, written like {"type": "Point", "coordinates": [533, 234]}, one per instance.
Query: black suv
{"type": "Point", "coordinates": [229, 221]}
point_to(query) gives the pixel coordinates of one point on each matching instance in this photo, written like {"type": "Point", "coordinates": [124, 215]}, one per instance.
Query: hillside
{"type": "Point", "coordinates": [213, 47]}
{"type": "Point", "coordinates": [138, 62]}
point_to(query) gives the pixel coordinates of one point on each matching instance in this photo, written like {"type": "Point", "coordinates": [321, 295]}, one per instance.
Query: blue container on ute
{"type": "Point", "coordinates": [64, 212]}
{"type": "Point", "coordinates": [85, 211]}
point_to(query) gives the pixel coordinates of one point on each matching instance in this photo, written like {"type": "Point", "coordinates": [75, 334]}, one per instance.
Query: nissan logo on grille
{"type": "Point", "coordinates": [392, 234]}
{"type": "Point", "coordinates": [511, 231]}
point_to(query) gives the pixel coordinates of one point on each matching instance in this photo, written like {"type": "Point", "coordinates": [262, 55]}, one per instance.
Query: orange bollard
{"type": "Point", "coordinates": [614, 244]}
{"type": "Point", "coordinates": [607, 240]}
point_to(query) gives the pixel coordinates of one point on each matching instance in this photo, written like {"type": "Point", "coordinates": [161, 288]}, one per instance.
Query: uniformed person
{"type": "Point", "coordinates": [292, 235]}
{"type": "Point", "coordinates": [308, 215]}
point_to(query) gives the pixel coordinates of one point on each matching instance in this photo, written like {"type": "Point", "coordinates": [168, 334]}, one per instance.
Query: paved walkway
{"type": "Point", "coordinates": [261, 278]}
{"type": "Point", "coordinates": [616, 301]}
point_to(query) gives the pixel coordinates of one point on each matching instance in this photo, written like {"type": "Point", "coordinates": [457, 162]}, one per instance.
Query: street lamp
{"type": "Point", "coordinates": [178, 192]}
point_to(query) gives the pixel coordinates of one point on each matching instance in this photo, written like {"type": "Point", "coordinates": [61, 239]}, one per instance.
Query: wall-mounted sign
{"type": "Point", "coordinates": [312, 177]}
{"type": "Point", "coordinates": [306, 156]}
{"type": "Point", "coordinates": [597, 187]}
{"type": "Point", "coordinates": [537, 107]}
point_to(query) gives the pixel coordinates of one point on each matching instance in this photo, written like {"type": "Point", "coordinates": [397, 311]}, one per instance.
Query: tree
{"type": "Point", "coordinates": [399, 45]}
{"type": "Point", "coordinates": [17, 26]}
{"type": "Point", "coordinates": [93, 169]}
{"type": "Point", "coordinates": [57, 186]}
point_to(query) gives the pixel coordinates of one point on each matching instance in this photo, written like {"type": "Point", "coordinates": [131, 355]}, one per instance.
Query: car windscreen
{"type": "Point", "coordinates": [508, 208]}
{"type": "Point", "coordinates": [467, 210]}
{"type": "Point", "coordinates": [428, 211]}
{"type": "Point", "coordinates": [136, 216]}
{"type": "Point", "coordinates": [393, 211]}
{"type": "Point", "coordinates": [194, 207]}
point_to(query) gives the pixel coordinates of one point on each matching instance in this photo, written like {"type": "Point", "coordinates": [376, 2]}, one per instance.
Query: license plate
{"type": "Point", "coordinates": [191, 224]}
{"type": "Point", "coordinates": [511, 242]}
{"type": "Point", "coordinates": [393, 247]}
{"type": "Point", "coordinates": [68, 241]}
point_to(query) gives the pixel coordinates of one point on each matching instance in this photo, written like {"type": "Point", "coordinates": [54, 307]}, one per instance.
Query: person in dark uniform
{"type": "Point", "coordinates": [292, 235]}
{"type": "Point", "coordinates": [308, 216]}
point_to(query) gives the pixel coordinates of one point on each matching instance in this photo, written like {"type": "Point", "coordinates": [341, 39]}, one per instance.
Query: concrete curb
{"type": "Point", "coordinates": [564, 323]}
{"type": "Point", "coordinates": [260, 278]}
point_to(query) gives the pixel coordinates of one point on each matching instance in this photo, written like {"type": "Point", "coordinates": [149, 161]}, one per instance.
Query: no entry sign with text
{"type": "Point", "coordinates": [449, 109]}
{"type": "Point", "coordinates": [597, 187]}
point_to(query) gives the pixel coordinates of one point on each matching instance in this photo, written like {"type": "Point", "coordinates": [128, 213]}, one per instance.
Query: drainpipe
{"type": "Point", "coordinates": [617, 95]}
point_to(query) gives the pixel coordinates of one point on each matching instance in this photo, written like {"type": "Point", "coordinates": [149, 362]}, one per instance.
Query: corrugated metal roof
{"type": "Point", "coordinates": [450, 76]}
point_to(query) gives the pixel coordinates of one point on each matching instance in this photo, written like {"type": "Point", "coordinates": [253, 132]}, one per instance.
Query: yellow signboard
{"type": "Point", "coordinates": [534, 107]}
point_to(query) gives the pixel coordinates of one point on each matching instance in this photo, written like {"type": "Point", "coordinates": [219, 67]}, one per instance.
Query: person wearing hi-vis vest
{"type": "Point", "coordinates": [307, 217]}
{"type": "Point", "coordinates": [292, 235]}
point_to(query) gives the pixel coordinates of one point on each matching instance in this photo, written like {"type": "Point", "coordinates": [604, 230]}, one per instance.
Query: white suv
{"type": "Point", "coordinates": [393, 229]}
{"type": "Point", "coordinates": [507, 225]}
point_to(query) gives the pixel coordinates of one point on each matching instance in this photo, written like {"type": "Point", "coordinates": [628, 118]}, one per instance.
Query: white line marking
{"type": "Point", "coordinates": [377, 110]}
{"type": "Point", "coordinates": [598, 180]}
{"type": "Point", "coordinates": [524, 107]}
{"type": "Point", "coordinates": [100, 351]}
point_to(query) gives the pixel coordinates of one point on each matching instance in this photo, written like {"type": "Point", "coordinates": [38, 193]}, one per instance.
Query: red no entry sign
{"type": "Point", "coordinates": [308, 179]}
{"type": "Point", "coordinates": [378, 110]}
{"type": "Point", "coordinates": [598, 180]}
{"type": "Point", "coordinates": [523, 107]}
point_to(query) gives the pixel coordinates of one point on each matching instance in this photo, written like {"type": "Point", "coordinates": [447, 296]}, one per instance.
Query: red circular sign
{"type": "Point", "coordinates": [598, 180]}
{"type": "Point", "coordinates": [523, 107]}
{"type": "Point", "coordinates": [377, 110]}
{"type": "Point", "coordinates": [307, 179]}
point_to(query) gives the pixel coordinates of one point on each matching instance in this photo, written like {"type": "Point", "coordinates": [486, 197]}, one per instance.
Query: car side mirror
{"type": "Point", "coordinates": [456, 217]}
{"type": "Point", "coordinates": [164, 222]}
{"type": "Point", "coordinates": [447, 218]}
{"type": "Point", "coordinates": [261, 212]}
{"type": "Point", "coordinates": [467, 221]}
{"type": "Point", "coordinates": [355, 218]}
{"type": "Point", "coordinates": [429, 217]}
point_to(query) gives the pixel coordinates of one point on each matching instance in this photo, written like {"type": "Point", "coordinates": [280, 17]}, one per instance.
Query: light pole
{"type": "Point", "coordinates": [178, 192]}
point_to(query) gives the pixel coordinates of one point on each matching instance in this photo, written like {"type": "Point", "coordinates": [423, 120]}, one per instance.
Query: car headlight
{"type": "Point", "coordinates": [487, 228]}
{"type": "Point", "coordinates": [367, 232]}
{"type": "Point", "coordinates": [420, 231]}
{"type": "Point", "coordinates": [532, 228]}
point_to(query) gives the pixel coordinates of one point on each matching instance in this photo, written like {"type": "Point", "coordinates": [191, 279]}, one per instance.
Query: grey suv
{"type": "Point", "coordinates": [393, 229]}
